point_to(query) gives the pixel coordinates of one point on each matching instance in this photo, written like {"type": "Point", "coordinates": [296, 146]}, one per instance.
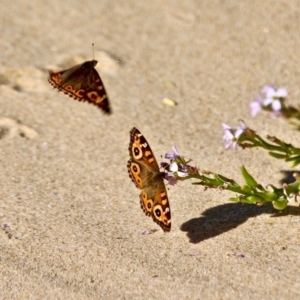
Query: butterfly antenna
{"type": "Point", "coordinates": [93, 51]}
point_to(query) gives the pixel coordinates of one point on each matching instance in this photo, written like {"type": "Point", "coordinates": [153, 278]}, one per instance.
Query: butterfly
{"type": "Point", "coordinates": [83, 83]}
{"type": "Point", "coordinates": [144, 172]}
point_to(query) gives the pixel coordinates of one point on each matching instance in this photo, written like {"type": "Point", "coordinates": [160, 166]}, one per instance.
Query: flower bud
{"type": "Point", "coordinates": [280, 204]}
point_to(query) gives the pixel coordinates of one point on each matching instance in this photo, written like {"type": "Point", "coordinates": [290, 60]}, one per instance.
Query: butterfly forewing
{"type": "Point", "coordinates": [83, 83]}
{"type": "Point", "coordinates": [144, 172]}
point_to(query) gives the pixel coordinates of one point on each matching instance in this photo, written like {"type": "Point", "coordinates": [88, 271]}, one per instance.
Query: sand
{"type": "Point", "coordinates": [72, 226]}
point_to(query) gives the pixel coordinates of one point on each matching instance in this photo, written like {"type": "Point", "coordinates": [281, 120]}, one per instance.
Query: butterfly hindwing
{"type": "Point", "coordinates": [144, 172]}
{"type": "Point", "coordinates": [156, 203]}
{"type": "Point", "coordinates": [83, 83]}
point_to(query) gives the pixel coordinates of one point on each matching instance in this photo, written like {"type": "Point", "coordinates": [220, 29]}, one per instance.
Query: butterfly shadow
{"type": "Point", "coordinates": [225, 217]}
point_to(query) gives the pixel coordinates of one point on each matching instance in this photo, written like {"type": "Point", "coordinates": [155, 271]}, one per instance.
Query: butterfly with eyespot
{"type": "Point", "coordinates": [144, 172]}
{"type": "Point", "coordinates": [83, 83]}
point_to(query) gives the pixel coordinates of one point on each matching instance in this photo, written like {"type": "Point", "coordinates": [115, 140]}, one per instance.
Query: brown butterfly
{"type": "Point", "coordinates": [83, 83]}
{"type": "Point", "coordinates": [144, 172]}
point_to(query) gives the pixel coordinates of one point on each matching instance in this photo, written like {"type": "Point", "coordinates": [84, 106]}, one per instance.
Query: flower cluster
{"type": "Point", "coordinates": [270, 99]}
{"type": "Point", "coordinates": [247, 138]}
{"type": "Point", "coordinates": [251, 192]}
{"type": "Point", "coordinates": [273, 99]}
{"type": "Point", "coordinates": [178, 168]}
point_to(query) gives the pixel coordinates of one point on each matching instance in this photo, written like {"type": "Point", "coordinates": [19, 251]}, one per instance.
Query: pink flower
{"type": "Point", "coordinates": [256, 105]}
{"type": "Point", "coordinates": [176, 168]}
{"type": "Point", "coordinates": [173, 155]}
{"type": "Point", "coordinates": [169, 176]}
{"type": "Point", "coordinates": [232, 135]}
{"type": "Point", "coordinates": [271, 100]}
{"type": "Point", "coordinates": [273, 97]}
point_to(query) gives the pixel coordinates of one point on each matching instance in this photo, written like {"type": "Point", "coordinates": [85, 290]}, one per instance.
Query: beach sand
{"type": "Point", "coordinates": [72, 226]}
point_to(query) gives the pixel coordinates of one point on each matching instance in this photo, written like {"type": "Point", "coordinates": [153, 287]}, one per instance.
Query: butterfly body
{"type": "Point", "coordinates": [145, 174]}
{"type": "Point", "coordinates": [83, 83]}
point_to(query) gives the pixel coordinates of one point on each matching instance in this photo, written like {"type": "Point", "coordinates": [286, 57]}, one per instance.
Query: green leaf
{"type": "Point", "coordinates": [247, 189]}
{"type": "Point", "coordinates": [253, 200]}
{"type": "Point", "coordinates": [295, 163]}
{"type": "Point", "coordinates": [222, 179]}
{"type": "Point", "coordinates": [268, 196]}
{"type": "Point", "coordinates": [278, 155]}
{"type": "Point", "coordinates": [248, 178]}
{"type": "Point", "coordinates": [234, 199]}
{"type": "Point", "coordinates": [247, 200]}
